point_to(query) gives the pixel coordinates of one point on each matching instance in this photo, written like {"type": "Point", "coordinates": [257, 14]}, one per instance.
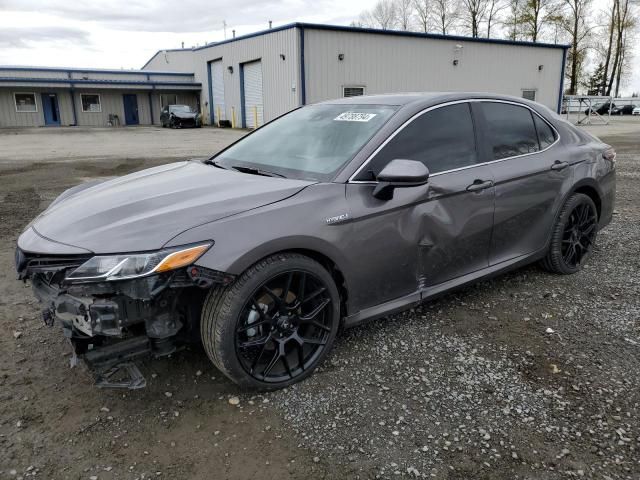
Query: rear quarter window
{"type": "Point", "coordinates": [546, 135]}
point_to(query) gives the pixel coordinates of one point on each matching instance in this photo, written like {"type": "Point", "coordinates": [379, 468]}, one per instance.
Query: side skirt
{"type": "Point", "coordinates": [431, 292]}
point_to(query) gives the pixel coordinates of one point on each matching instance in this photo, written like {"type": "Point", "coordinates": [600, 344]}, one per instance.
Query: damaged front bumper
{"type": "Point", "coordinates": [112, 323]}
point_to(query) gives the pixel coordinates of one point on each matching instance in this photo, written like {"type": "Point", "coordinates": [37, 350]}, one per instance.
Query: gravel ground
{"type": "Point", "coordinates": [529, 375]}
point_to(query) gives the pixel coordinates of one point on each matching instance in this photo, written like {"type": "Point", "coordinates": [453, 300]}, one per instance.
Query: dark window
{"type": "Point", "coordinates": [545, 132]}
{"type": "Point", "coordinates": [529, 95]}
{"type": "Point", "coordinates": [442, 139]}
{"type": "Point", "coordinates": [510, 130]}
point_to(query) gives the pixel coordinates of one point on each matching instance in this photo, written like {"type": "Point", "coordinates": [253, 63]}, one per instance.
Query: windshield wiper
{"type": "Point", "coordinates": [257, 171]}
{"type": "Point", "coordinates": [215, 163]}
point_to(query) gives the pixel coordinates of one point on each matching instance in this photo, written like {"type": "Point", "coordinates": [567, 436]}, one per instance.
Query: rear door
{"type": "Point", "coordinates": [529, 170]}
{"type": "Point", "coordinates": [217, 91]}
{"type": "Point", "coordinates": [252, 106]}
{"type": "Point", "coordinates": [429, 234]}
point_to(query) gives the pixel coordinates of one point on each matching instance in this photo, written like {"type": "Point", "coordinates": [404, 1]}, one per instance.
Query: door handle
{"type": "Point", "coordinates": [558, 165]}
{"type": "Point", "coordinates": [479, 185]}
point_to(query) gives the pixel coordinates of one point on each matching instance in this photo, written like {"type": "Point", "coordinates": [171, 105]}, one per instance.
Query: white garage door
{"type": "Point", "coordinates": [253, 108]}
{"type": "Point", "coordinates": [217, 85]}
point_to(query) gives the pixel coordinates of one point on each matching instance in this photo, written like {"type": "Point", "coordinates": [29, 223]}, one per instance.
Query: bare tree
{"type": "Point", "coordinates": [513, 23]}
{"type": "Point", "coordinates": [576, 23]}
{"type": "Point", "coordinates": [404, 14]}
{"type": "Point", "coordinates": [423, 12]}
{"type": "Point", "coordinates": [624, 21]}
{"type": "Point", "coordinates": [382, 15]}
{"type": "Point", "coordinates": [445, 13]}
{"type": "Point", "coordinates": [533, 16]}
{"type": "Point", "coordinates": [493, 13]}
{"type": "Point", "coordinates": [472, 15]}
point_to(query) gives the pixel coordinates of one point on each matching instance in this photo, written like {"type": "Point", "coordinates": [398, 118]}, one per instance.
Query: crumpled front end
{"type": "Point", "coordinates": [112, 323]}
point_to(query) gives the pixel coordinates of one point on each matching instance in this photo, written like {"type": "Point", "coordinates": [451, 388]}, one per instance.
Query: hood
{"type": "Point", "coordinates": [144, 210]}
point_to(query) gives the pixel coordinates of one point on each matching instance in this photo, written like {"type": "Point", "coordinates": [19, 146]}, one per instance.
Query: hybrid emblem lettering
{"type": "Point", "coordinates": [337, 219]}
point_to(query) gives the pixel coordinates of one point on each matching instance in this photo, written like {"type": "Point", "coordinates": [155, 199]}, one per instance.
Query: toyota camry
{"type": "Point", "coordinates": [331, 215]}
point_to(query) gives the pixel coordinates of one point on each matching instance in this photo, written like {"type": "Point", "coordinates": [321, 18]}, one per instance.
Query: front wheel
{"type": "Point", "coordinates": [574, 235]}
{"type": "Point", "coordinates": [275, 324]}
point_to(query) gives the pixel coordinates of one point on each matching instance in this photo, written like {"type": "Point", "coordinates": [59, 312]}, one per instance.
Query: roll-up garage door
{"type": "Point", "coordinates": [217, 83]}
{"type": "Point", "coordinates": [253, 108]}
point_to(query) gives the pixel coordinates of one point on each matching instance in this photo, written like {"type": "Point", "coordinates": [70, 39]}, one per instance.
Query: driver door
{"type": "Point", "coordinates": [428, 234]}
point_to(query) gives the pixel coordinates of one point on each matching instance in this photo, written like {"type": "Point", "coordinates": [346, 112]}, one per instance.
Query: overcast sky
{"type": "Point", "coordinates": [126, 33]}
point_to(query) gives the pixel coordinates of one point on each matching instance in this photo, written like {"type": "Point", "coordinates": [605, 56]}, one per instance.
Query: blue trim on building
{"type": "Point", "coordinates": [400, 33]}
{"type": "Point", "coordinates": [73, 106]}
{"type": "Point", "coordinates": [93, 70]}
{"type": "Point", "coordinates": [562, 74]}
{"type": "Point", "coordinates": [76, 81]}
{"type": "Point", "coordinates": [303, 83]}
{"type": "Point", "coordinates": [435, 36]}
{"type": "Point", "coordinates": [243, 121]}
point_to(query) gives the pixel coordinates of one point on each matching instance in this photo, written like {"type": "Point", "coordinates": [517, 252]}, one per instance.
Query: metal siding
{"type": "Point", "coordinates": [10, 118]}
{"type": "Point", "coordinates": [278, 76]}
{"type": "Point", "coordinates": [384, 63]}
{"type": "Point", "coordinates": [253, 100]}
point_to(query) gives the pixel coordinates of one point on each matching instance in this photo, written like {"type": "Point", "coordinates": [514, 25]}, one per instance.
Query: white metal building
{"type": "Point", "coordinates": [40, 96]}
{"type": "Point", "coordinates": [257, 77]}
{"type": "Point", "coordinates": [252, 79]}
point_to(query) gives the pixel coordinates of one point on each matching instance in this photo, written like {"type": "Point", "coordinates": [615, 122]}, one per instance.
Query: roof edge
{"type": "Point", "coordinates": [377, 31]}
{"type": "Point", "coordinates": [20, 68]}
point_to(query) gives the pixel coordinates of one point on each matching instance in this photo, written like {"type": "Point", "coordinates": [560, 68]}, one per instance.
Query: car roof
{"type": "Point", "coordinates": [421, 99]}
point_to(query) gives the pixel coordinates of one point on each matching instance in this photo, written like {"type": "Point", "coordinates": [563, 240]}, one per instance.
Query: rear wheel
{"type": "Point", "coordinates": [574, 235]}
{"type": "Point", "coordinates": [275, 324]}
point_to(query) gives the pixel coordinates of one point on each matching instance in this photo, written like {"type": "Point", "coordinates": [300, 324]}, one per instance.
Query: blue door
{"type": "Point", "coordinates": [50, 109]}
{"type": "Point", "coordinates": [130, 109]}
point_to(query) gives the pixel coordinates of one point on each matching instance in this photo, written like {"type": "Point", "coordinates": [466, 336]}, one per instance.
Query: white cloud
{"type": "Point", "coordinates": [126, 33]}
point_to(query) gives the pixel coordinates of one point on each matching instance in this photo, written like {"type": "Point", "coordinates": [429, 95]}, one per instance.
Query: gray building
{"type": "Point", "coordinates": [249, 80]}
{"type": "Point", "coordinates": [40, 96]}
{"type": "Point", "coordinates": [257, 77]}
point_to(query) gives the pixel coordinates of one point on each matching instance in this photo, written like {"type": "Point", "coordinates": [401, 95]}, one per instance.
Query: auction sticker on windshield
{"type": "Point", "coordinates": [354, 117]}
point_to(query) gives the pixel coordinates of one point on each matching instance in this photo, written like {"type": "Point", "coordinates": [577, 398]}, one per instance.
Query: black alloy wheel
{"type": "Point", "coordinates": [579, 234]}
{"type": "Point", "coordinates": [284, 327]}
{"type": "Point", "coordinates": [274, 324]}
{"type": "Point", "coordinates": [574, 235]}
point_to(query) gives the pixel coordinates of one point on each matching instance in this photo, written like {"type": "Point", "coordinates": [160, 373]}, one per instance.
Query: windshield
{"type": "Point", "coordinates": [181, 108]}
{"type": "Point", "coordinates": [312, 142]}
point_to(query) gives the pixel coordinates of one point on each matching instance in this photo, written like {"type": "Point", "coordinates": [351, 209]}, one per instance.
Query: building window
{"type": "Point", "coordinates": [352, 91]}
{"type": "Point", "coordinates": [529, 95]}
{"type": "Point", "coordinates": [168, 99]}
{"type": "Point", "coordinates": [90, 102]}
{"type": "Point", "coordinates": [25, 102]}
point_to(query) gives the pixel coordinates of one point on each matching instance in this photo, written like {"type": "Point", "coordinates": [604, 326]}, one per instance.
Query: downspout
{"type": "Point", "coordinates": [151, 105]}
{"type": "Point", "coordinates": [73, 100]}
{"type": "Point", "coordinates": [73, 106]}
{"type": "Point", "coordinates": [303, 90]}
{"type": "Point", "coordinates": [562, 72]}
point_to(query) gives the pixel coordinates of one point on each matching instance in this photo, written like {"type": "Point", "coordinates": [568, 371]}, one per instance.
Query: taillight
{"type": "Point", "coordinates": [610, 155]}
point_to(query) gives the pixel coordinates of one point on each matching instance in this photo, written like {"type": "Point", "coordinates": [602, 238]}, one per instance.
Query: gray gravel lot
{"type": "Point", "coordinates": [472, 385]}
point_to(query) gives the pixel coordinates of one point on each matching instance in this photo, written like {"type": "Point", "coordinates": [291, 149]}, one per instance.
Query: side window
{"type": "Point", "coordinates": [442, 139]}
{"type": "Point", "coordinates": [510, 130]}
{"type": "Point", "coordinates": [545, 132]}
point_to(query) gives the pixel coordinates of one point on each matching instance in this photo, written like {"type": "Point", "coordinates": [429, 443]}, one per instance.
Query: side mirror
{"type": "Point", "coordinates": [399, 174]}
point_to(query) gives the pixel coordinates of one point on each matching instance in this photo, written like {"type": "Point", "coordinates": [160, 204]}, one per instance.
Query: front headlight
{"type": "Point", "coordinates": [127, 266]}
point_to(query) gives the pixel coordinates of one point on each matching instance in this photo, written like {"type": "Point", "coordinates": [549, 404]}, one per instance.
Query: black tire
{"type": "Point", "coordinates": [573, 236]}
{"type": "Point", "coordinates": [228, 331]}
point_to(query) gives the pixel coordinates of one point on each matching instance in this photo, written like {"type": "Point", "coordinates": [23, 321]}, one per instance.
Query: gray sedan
{"type": "Point", "coordinates": [331, 215]}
